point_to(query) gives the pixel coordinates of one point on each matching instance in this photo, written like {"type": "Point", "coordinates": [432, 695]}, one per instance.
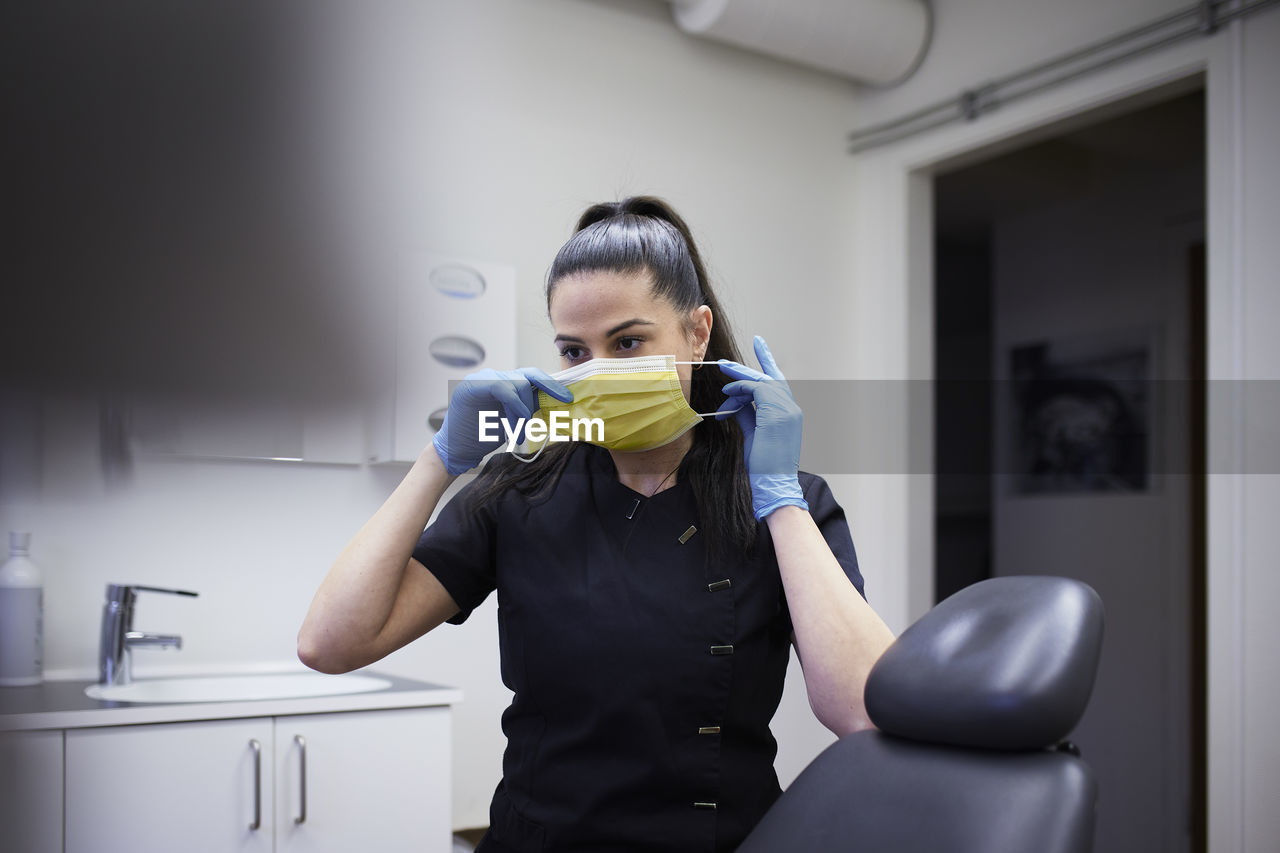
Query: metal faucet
{"type": "Point", "coordinates": [118, 636]}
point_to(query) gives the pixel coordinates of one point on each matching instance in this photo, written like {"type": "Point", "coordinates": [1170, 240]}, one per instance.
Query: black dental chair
{"type": "Point", "coordinates": [972, 704]}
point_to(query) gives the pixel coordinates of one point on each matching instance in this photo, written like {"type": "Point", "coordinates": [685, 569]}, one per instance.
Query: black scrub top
{"type": "Point", "coordinates": [645, 675]}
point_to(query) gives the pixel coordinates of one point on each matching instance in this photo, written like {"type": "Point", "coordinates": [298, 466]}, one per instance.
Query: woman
{"type": "Point", "coordinates": [647, 595]}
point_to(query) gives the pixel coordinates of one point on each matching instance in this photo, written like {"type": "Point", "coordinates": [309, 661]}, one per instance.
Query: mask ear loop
{"type": "Point", "coordinates": [535, 455]}
{"type": "Point", "coordinates": [708, 414]}
{"type": "Point", "coordinates": [519, 458]}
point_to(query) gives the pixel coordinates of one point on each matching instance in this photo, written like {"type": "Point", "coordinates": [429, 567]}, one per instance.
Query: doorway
{"type": "Point", "coordinates": [1069, 354]}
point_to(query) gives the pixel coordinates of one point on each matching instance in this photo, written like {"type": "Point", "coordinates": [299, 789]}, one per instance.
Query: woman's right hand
{"type": "Point", "coordinates": [512, 393]}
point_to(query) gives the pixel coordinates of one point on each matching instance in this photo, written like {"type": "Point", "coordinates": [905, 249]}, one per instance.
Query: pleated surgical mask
{"type": "Point", "coordinates": [627, 404]}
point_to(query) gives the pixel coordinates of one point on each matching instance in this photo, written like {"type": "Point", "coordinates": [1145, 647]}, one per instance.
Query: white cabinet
{"type": "Point", "coordinates": [195, 787]}
{"type": "Point", "coordinates": [370, 780]}
{"type": "Point", "coordinates": [249, 427]}
{"type": "Point", "coordinates": [31, 791]}
{"type": "Point", "coordinates": [451, 317]}
{"type": "Point", "coordinates": [376, 780]}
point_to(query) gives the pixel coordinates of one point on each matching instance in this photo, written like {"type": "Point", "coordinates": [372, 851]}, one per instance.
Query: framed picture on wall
{"type": "Point", "coordinates": [1082, 410]}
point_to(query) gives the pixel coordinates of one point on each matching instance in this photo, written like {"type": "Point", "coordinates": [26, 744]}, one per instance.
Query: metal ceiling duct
{"type": "Point", "coordinates": [878, 42]}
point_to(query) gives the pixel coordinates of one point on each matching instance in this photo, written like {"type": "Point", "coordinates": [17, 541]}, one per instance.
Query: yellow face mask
{"type": "Point", "coordinates": [624, 404]}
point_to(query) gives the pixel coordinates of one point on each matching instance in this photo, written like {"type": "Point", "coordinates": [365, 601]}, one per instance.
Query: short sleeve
{"type": "Point", "coordinates": [829, 516]}
{"type": "Point", "coordinates": [458, 548]}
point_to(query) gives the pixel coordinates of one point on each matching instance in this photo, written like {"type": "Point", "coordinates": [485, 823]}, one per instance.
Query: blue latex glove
{"type": "Point", "coordinates": [771, 425]}
{"type": "Point", "coordinates": [513, 393]}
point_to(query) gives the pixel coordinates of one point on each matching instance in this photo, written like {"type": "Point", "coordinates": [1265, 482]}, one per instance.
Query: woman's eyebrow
{"type": "Point", "coordinates": [626, 324]}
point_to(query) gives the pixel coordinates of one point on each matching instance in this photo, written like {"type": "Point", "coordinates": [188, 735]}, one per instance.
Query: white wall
{"type": "Point", "coordinates": [1246, 640]}
{"type": "Point", "coordinates": [977, 39]}
{"type": "Point", "coordinates": [479, 129]}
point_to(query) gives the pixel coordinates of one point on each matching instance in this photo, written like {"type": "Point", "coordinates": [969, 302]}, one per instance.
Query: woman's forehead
{"type": "Point", "coordinates": [595, 301]}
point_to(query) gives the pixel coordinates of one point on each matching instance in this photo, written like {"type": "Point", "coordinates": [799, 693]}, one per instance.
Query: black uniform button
{"type": "Point", "coordinates": [722, 650]}
{"type": "Point", "coordinates": [719, 585]}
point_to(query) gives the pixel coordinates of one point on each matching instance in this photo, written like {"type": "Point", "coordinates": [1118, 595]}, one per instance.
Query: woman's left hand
{"type": "Point", "coordinates": [771, 423]}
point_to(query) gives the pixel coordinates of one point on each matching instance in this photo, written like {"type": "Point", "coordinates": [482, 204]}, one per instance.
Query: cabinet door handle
{"type": "Point", "coordinates": [302, 776]}
{"type": "Point", "coordinates": [257, 784]}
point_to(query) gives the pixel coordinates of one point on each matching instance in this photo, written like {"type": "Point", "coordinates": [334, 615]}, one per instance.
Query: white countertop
{"type": "Point", "coordinates": [64, 705]}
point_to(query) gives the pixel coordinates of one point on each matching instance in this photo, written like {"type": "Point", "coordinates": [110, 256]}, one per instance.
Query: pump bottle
{"type": "Point", "coordinates": [21, 617]}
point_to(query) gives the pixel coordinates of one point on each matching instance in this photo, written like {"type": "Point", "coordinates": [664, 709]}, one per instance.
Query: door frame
{"type": "Point", "coordinates": [892, 240]}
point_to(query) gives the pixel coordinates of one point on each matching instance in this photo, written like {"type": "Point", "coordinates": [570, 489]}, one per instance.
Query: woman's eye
{"type": "Point", "coordinates": [571, 353]}
{"type": "Point", "coordinates": [628, 344]}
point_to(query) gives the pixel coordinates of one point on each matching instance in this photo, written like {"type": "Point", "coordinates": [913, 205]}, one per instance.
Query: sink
{"type": "Point", "coordinates": [237, 688]}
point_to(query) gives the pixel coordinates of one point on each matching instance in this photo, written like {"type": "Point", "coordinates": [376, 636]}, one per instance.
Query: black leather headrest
{"type": "Point", "coordinates": [1007, 663]}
